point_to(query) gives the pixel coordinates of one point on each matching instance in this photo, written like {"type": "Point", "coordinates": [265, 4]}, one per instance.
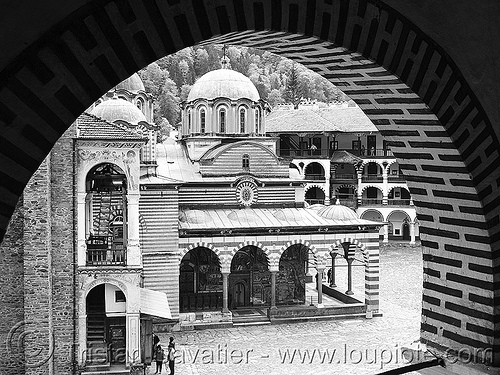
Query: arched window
{"type": "Point", "coordinates": [202, 121]}
{"type": "Point", "coordinates": [189, 122]}
{"type": "Point", "coordinates": [140, 104]}
{"type": "Point", "coordinates": [257, 120]}
{"type": "Point", "coordinates": [222, 120]}
{"type": "Point", "coordinates": [245, 162]}
{"type": "Point", "coordinates": [242, 120]}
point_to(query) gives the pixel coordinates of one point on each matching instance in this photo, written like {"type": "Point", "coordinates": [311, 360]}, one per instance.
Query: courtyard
{"type": "Point", "coordinates": [353, 346]}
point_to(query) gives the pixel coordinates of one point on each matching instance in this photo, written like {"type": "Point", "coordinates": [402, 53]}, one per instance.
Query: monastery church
{"type": "Point", "coordinates": [194, 229]}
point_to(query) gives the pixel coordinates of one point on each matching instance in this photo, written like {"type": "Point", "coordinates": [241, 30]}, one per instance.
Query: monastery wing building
{"type": "Point", "coordinates": [203, 228]}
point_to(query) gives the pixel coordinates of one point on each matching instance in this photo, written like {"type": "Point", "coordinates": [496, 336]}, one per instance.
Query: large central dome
{"type": "Point", "coordinates": [223, 83]}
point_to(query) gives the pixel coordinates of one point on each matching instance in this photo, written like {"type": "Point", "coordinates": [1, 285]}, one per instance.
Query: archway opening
{"type": "Point", "coordinates": [106, 307]}
{"type": "Point", "coordinates": [315, 195]}
{"type": "Point", "coordinates": [291, 278]}
{"type": "Point", "coordinates": [200, 281]}
{"type": "Point", "coordinates": [250, 278]}
{"type": "Point", "coordinates": [314, 171]}
{"type": "Point", "coordinates": [106, 215]}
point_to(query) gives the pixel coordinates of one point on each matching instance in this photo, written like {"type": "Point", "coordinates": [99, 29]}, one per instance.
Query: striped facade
{"type": "Point", "coordinates": [227, 195]}
{"type": "Point", "coordinates": [159, 237]}
{"type": "Point", "coordinates": [407, 84]}
{"type": "Point", "coordinates": [262, 161]}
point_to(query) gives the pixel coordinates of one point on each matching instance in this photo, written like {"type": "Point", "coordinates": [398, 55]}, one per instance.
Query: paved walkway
{"type": "Point", "coordinates": [361, 346]}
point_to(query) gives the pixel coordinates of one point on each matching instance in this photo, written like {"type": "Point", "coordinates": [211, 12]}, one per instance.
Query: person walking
{"type": "Point", "coordinates": [171, 355]}
{"type": "Point", "coordinates": [159, 356]}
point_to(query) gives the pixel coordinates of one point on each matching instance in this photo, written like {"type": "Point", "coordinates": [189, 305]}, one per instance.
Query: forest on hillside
{"type": "Point", "coordinates": [277, 79]}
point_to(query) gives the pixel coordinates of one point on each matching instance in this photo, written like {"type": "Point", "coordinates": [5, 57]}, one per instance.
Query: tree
{"type": "Point", "coordinates": [293, 89]}
{"type": "Point", "coordinates": [274, 98]}
{"type": "Point", "coordinates": [168, 103]}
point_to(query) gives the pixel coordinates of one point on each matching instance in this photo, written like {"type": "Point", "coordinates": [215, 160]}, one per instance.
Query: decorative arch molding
{"type": "Point", "coordinates": [256, 244]}
{"type": "Point", "coordinates": [372, 210]}
{"type": "Point", "coordinates": [353, 241]}
{"type": "Point", "coordinates": [365, 162]}
{"type": "Point", "coordinates": [311, 185]}
{"type": "Point", "coordinates": [194, 245]}
{"type": "Point", "coordinates": [399, 211]}
{"type": "Point", "coordinates": [320, 163]}
{"type": "Point", "coordinates": [346, 186]}
{"type": "Point", "coordinates": [301, 242]}
{"type": "Point", "coordinates": [370, 186]}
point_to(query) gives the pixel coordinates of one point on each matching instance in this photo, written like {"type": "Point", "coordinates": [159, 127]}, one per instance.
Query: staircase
{"type": "Point", "coordinates": [250, 316]}
{"type": "Point", "coordinates": [97, 348]}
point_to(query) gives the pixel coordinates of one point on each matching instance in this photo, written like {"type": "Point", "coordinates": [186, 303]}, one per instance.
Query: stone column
{"type": "Point", "coordinates": [133, 338]}
{"type": "Point", "coordinates": [81, 224]}
{"type": "Point", "coordinates": [360, 193]}
{"type": "Point", "coordinates": [386, 233]}
{"type": "Point", "coordinates": [385, 186]}
{"type": "Point", "coordinates": [319, 285]}
{"type": "Point", "coordinates": [349, 277]}
{"type": "Point", "coordinates": [332, 281]}
{"type": "Point", "coordinates": [225, 291]}
{"type": "Point", "coordinates": [133, 250]}
{"type": "Point", "coordinates": [412, 233]}
{"type": "Point", "coordinates": [273, 289]}
{"type": "Point", "coordinates": [82, 340]}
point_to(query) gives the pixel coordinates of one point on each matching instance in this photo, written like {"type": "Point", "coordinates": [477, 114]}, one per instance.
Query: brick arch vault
{"type": "Point", "coordinates": [403, 80]}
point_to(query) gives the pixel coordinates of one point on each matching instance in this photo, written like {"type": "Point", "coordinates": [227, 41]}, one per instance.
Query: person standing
{"type": "Point", "coordinates": [171, 355]}
{"type": "Point", "coordinates": [159, 356]}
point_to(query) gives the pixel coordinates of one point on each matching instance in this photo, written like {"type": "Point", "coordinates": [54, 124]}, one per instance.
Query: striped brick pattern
{"type": "Point", "coordinates": [403, 80]}
{"type": "Point", "coordinates": [160, 253]}
{"type": "Point", "coordinates": [229, 162]}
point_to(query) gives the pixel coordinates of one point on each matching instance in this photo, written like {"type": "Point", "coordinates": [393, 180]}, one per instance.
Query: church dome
{"type": "Point", "coordinates": [337, 212]}
{"type": "Point", "coordinates": [119, 109]}
{"type": "Point", "coordinates": [132, 84]}
{"type": "Point", "coordinates": [223, 83]}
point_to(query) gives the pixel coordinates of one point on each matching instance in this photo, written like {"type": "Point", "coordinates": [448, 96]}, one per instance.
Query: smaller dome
{"type": "Point", "coordinates": [119, 109]}
{"type": "Point", "coordinates": [243, 216]}
{"type": "Point", "coordinates": [288, 215]}
{"type": "Point", "coordinates": [194, 217]}
{"type": "Point", "coordinates": [337, 212]}
{"type": "Point", "coordinates": [132, 84]}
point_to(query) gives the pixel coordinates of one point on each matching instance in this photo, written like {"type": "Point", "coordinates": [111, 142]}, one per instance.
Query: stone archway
{"type": "Point", "coordinates": [405, 82]}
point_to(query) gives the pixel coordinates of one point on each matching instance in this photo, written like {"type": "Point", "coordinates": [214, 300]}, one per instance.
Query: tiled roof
{"type": "Point", "coordinates": [345, 157]}
{"type": "Point", "coordinates": [91, 126]}
{"type": "Point", "coordinates": [336, 118]}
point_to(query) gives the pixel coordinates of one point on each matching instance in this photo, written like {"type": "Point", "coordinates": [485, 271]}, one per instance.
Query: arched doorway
{"type": "Point", "coordinates": [106, 307]}
{"type": "Point", "coordinates": [250, 279]}
{"type": "Point", "coordinates": [397, 222]}
{"type": "Point", "coordinates": [106, 215]}
{"type": "Point", "coordinates": [406, 230]}
{"type": "Point", "coordinates": [200, 281]}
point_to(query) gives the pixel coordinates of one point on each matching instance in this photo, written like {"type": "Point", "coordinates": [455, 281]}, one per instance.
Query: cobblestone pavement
{"type": "Point", "coordinates": [360, 346]}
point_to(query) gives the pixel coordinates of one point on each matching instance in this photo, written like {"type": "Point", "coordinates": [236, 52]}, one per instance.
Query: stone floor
{"type": "Point", "coordinates": [360, 346]}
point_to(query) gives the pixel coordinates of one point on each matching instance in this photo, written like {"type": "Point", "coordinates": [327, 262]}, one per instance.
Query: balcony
{"type": "Point", "coordinates": [399, 202]}
{"type": "Point", "coordinates": [372, 178]}
{"type": "Point", "coordinates": [290, 153]}
{"type": "Point", "coordinates": [345, 176]}
{"type": "Point", "coordinates": [396, 178]}
{"type": "Point", "coordinates": [371, 202]}
{"type": "Point", "coordinates": [373, 153]}
{"type": "Point", "coordinates": [316, 177]}
{"type": "Point", "coordinates": [100, 253]}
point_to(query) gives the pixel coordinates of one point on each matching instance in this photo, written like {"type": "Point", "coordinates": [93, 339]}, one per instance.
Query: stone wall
{"type": "Point", "coordinates": [12, 296]}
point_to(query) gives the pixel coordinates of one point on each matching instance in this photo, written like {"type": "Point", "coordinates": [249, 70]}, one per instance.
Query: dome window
{"type": "Point", "coordinates": [257, 120]}
{"type": "Point", "coordinates": [222, 120]}
{"type": "Point", "coordinates": [189, 122]}
{"type": "Point", "coordinates": [202, 121]}
{"type": "Point", "coordinates": [242, 120]}
{"type": "Point", "coordinates": [245, 162]}
{"type": "Point", "coordinates": [140, 104]}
